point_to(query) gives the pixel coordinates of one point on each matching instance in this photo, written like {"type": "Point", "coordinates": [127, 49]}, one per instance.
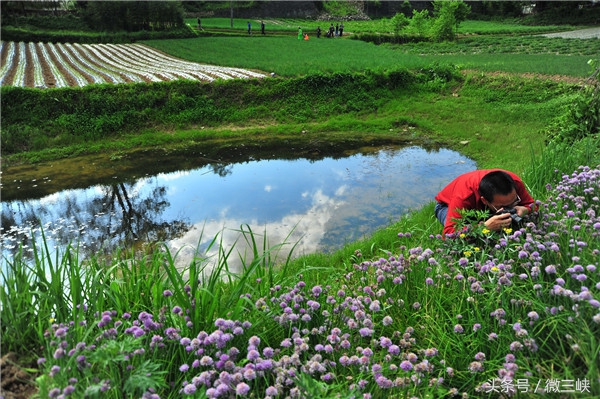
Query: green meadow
{"type": "Point", "coordinates": [288, 56]}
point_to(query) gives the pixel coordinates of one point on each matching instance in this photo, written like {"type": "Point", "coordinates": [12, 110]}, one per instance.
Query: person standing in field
{"type": "Point", "coordinates": [341, 29]}
{"type": "Point", "coordinates": [331, 30]}
{"type": "Point", "coordinates": [318, 32]}
{"type": "Point", "coordinates": [300, 37]}
{"type": "Point", "coordinates": [262, 27]}
{"type": "Point", "coordinates": [336, 29]}
{"type": "Point", "coordinates": [249, 28]}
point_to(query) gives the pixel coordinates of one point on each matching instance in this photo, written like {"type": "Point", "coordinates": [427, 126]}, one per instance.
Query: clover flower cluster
{"type": "Point", "coordinates": [371, 328]}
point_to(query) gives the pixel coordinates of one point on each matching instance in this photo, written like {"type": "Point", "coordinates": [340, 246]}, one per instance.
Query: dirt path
{"type": "Point", "coordinates": [589, 33]}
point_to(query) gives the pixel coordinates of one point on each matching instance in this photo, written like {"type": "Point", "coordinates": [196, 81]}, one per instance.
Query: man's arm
{"type": "Point", "coordinates": [527, 204]}
{"type": "Point", "coordinates": [454, 214]}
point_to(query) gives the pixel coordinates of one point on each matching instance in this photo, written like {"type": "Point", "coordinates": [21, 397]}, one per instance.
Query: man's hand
{"type": "Point", "coordinates": [499, 222]}
{"type": "Point", "coordinates": [522, 210]}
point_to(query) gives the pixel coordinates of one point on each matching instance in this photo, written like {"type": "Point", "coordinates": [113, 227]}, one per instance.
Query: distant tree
{"type": "Point", "coordinates": [419, 22]}
{"type": "Point", "coordinates": [406, 8]}
{"type": "Point", "coordinates": [29, 7]}
{"type": "Point", "coordinates": [370, 7]}
{"type": "Point", "coordinates": [448, 16]}
{"type": "Point", "coordinates": [399, 22]}
{"type": "Point", "coordinates": [132, 16]}
{"type": "Point", "coordinates": [498, 8]}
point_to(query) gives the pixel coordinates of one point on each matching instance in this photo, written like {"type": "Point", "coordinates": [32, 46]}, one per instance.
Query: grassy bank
{"type": "Point", "coordinates": [331, 88]}
{"type": "Point", "coordinates": [46, 125]}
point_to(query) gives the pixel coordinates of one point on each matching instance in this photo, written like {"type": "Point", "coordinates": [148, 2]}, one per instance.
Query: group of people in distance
{"type": "Point", "coordinates": [333, 31]}
{"type": "Point", "coordinates": [262, 27]}
{"type": "Point", "coordinates": [338, 30]}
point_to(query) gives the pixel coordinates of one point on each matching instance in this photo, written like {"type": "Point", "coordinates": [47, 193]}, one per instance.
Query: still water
{"type": "Point", "coordinates": [311, 205]}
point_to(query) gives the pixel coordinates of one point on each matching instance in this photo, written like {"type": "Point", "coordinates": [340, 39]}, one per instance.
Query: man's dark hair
{"type": "Point", "coordinates": [497, 182]}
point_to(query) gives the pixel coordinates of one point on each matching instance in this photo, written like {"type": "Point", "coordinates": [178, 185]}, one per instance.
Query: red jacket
{"type": "Point", "coordinates": [463, 193]}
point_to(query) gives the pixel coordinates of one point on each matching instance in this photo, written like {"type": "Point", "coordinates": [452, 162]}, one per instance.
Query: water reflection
{"type": "Point", "coordinates": [314, 205]}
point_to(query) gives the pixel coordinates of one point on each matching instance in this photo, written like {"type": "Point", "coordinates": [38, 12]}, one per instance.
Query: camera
{"type": "Point", "coordinates": [513, 214]}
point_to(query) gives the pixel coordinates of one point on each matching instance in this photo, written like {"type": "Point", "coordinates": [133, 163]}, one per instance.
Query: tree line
{"type": "Point", "coordinates": [132, 16]}
{"type": "Point", "coordinates": [110, 16]}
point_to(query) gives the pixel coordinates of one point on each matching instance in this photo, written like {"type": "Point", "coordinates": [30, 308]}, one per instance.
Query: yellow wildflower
{"type": "Point", "coordinates": [462, 235]}
{"type": "Point", "coordinates": [507, 230]}
{"type": "Point", "coordinates": [485, 231]}
{"type": "Point", "coordinates": [495, 269]}
{"type": "Point", "coordinates": [467, 253]}
{"type": "Point", "coordinates": [477, 249]}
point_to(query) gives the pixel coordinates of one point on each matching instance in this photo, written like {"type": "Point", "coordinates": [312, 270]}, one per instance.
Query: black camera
{"type": "Point", "coordinates": [513, 214]}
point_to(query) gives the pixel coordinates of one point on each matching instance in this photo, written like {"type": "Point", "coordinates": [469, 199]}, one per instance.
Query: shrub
{"type": "Point", "coordinates": [583, 116]}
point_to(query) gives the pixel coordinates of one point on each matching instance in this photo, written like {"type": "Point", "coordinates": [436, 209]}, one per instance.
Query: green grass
{"type": "Point", "coordinates": [287, 56]}
{"type": "Point", "coordinates": [508, 28]}
{"type": "Point", "coordinates": [381, 25]}
{"type": "Point", "coordinates": [515, 46]}
{"type": "Point", "coordinates": [476, 111]}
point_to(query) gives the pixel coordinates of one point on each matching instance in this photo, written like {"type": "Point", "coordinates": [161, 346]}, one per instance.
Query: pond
{"type": "Point", "coordinates": [316, 201]}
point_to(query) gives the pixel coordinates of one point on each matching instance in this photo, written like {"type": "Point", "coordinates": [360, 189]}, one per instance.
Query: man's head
{"type": "Point", "coordinates": [497, 190]}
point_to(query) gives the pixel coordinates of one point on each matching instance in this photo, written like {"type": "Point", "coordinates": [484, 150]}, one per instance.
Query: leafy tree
{"type": "Point", "coordinates": [448, 16]}
{"type": "Point", "coordinates": [399, 22]}
{"type": "Point", "coordinates": [419, 22]}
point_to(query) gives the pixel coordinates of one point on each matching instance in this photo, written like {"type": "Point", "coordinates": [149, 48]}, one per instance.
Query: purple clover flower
{"type": "Point", "coordinates": [406, 365]}
{"type": "Point", "coordinates": [242, 389]}
{"type": "Point", "coordinates": [365, 332]}
{"type": "Point", "coordinates": [476, 367]}
{"type": "Point", "coordinates": [68, 390]}
{"type": "Point", "coordinates": [189, 389]}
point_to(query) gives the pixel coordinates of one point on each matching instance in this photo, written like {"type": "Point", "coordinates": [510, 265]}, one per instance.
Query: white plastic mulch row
{"type": "Point", "coordinates": [59, 79]}
{"type": "Point", "coordinates": [85, 64]}
{"type": "Point", "coordinates": [38, 76]}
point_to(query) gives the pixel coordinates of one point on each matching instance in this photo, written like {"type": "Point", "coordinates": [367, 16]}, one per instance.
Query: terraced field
{"type": "Point", "coordinates": [48, 65]}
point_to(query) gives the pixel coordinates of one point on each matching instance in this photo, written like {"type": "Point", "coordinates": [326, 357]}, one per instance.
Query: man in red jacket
{"type": "Point", "coordinates": [493, 189]}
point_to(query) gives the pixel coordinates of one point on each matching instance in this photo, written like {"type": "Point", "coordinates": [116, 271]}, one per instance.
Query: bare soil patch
{"type": "Point", "coordinates": [16, 383]}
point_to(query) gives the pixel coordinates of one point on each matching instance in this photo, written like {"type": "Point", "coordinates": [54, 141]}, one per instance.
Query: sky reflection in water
{"type": "Point", "coordinates": [315, 205]}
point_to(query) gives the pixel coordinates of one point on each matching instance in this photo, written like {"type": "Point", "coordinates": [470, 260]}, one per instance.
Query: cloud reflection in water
{"type": "Point", "coordinates": [317, 205]}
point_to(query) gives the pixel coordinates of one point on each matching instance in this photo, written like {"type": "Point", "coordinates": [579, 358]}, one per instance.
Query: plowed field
{"type": "Point", "coordinates": [48, 65]}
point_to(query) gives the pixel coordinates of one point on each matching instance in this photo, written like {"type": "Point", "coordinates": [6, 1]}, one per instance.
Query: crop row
{"type": "Point", "coordinates": [48, 65]}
